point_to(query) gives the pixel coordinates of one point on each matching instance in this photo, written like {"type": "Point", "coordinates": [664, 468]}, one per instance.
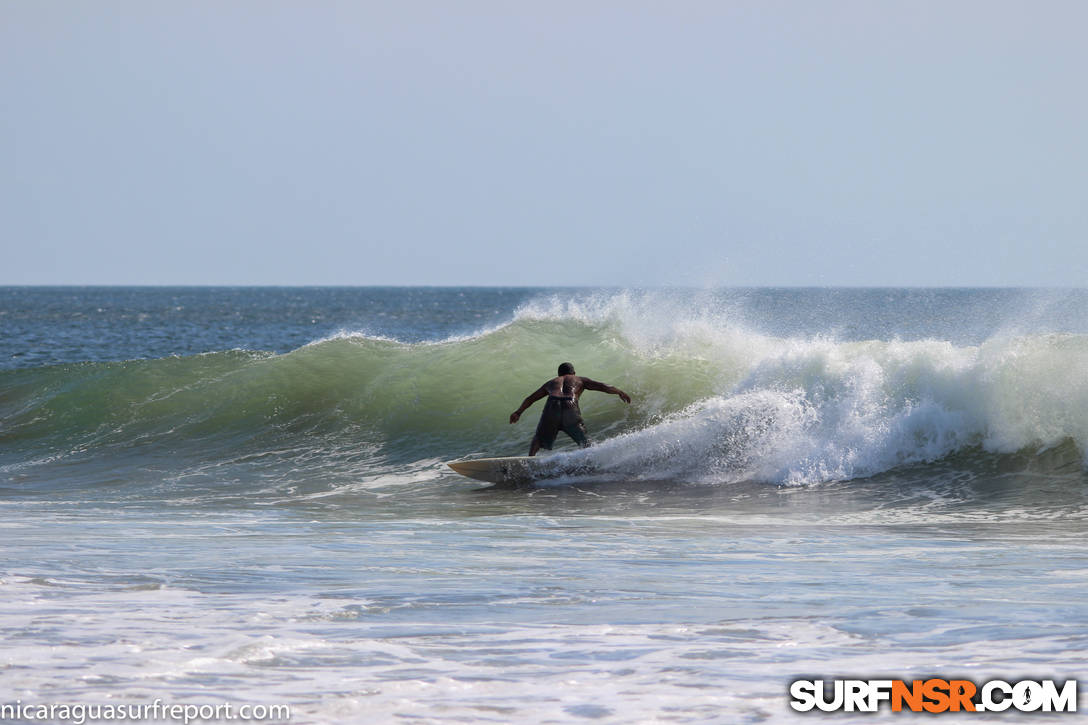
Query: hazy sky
{"type": "Point", "coordinates": [557, 143]}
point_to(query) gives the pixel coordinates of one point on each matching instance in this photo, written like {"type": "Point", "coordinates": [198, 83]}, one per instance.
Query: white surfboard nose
{"type": "Point", "coordinates": [514, 469]}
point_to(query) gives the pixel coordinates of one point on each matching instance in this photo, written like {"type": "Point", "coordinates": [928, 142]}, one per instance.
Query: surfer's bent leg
{"type": "Point", "coordinates": [551, 419]}
{"type": "Point", "coordinates": [574, 426]}
{"type": "Point", "coordinates": [578, 433]}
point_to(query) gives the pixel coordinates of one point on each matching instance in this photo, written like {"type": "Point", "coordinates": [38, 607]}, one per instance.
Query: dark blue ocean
{"type": "Point", "coordinates": [239, 495]}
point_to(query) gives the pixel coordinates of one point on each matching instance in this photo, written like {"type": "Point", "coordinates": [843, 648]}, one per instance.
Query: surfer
{"type": "Point", "coordinates": [561, 411]}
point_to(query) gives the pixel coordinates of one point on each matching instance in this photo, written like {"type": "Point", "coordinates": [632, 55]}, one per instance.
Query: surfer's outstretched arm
{"type": "Point", "coordinates": [541, 392]}
{"type": "Point", "coordinates": [591, 384]}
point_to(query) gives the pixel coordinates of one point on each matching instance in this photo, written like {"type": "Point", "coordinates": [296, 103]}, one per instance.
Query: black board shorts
{"type": "Point", "coordinates": [561, 413]}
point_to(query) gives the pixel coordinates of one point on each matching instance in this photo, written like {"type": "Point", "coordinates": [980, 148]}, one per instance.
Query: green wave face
{"type": "Point", "coordinates": [412, 399]}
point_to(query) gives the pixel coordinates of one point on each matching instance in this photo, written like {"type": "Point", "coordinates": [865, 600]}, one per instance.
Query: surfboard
{"type": "Point", "coordinates": [515, 470]}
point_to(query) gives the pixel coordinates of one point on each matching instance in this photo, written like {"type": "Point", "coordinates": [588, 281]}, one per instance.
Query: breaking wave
{"type": "Point", "coordinates": [713, 401]}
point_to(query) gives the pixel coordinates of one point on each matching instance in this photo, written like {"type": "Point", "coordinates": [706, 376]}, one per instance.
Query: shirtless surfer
{"type": "Point", "coordinates": [561, 411]}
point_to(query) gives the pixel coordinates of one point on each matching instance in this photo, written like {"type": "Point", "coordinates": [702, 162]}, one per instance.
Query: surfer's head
{"type": "Point", "coordinates": [566, 369]}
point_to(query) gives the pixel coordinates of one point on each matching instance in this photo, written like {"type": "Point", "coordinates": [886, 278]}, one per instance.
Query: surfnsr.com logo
{"type": "Point", "coordinates": [933, 695]}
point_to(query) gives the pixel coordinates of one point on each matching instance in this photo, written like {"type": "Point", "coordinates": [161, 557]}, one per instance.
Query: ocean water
{"type": "Point", "coordinates": [238, 495]}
